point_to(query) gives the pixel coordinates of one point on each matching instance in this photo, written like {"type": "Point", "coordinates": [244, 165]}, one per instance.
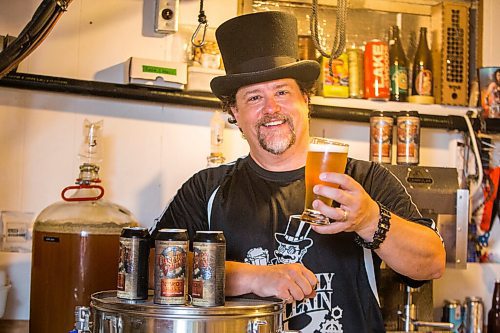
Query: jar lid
{"type": "Point", "coordinates": [421, 99]}
{"type": "Point", "coordinates": [379, 113]}
{"type": "Point", "coordinates": [410, 113]}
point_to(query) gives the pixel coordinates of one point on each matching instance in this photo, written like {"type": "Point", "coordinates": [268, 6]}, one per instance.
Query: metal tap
{"type": "Point", "coordinates": [411, 323]}
{"type": "Point", "coordinates": [82, 320]}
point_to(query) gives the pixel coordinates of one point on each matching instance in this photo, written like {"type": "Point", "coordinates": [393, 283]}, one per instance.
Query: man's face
{"type": "Point", "coordinates": [272, 115]}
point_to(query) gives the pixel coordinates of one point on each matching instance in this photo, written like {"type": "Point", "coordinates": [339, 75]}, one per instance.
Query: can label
{"type": "Point", "coordinates": [474, 315]}
{"type": "Point", "coordinates": [381, 139]}
{"type": "Point", "coordinates": [452, 313]}
{"type": "Point", "coordinates": [337, 84]}
{"type": "Point", "coordinates": [208, 274]}
{"type": "Point", "coordinates": [356, 77]}
{"type": "Point", "coordinates": [133, 268]}
{"type": "Point", "coordinates": [408, 140]}
{"type": "Point", "coordinates": [170, 272]}
{"type": "Point", "coordinates": [377, 83]}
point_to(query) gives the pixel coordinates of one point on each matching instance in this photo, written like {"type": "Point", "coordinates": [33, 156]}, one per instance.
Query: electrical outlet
{"type": "Point", "coordinates": [167, 16]}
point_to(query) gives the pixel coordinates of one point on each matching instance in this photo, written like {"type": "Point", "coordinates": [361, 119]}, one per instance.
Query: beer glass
{"type": "Point", "coordinates": [324, 155]}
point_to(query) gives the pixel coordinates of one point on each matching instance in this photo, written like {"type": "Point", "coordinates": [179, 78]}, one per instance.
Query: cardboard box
{"type": "Point", "coordinates": [156, 73]}
{"type": "Point", "coordinates": [199, 78]}
{"type": "Point", "coordinates": [450, 52]}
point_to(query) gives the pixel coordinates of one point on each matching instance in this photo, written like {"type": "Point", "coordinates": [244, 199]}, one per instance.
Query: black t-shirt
{"type": "Point", "coordinates": [252, 206]}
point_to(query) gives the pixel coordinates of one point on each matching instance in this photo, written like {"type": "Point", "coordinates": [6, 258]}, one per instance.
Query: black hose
{"type": "Point", "coordinates": [42, 22]}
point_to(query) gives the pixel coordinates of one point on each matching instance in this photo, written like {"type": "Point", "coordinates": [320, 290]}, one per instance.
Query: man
{"type": "Point", "coordinates": [324, 272]}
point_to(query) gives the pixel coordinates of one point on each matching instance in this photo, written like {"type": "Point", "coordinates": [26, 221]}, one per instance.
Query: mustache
{"type": "Point", "coordinates": [275, 117]}
{"type": "Point", "coordinates": [284, 256]}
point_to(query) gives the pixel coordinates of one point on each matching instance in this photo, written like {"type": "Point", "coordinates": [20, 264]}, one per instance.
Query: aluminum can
{"type": "Point", "coordinates": [171, 256]}
{"type": "Point", "coordinates": [452, 313]}
{"type": "Point", "coordinates": [356, 74]}
{"type": "Point", "coordinates": [208, 282]}
{"type": "Point", "coordinates": [381, 137]}
{"type": "Point", "coordinates": [133, 265]}
{"type": "Point", "coordinates": [376, 61]}
{"type": "Point", "coordinates": [408, 129]}
{"type": "Point", "coordinates": [474, 315]}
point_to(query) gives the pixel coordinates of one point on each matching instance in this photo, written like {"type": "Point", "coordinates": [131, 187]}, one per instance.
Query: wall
{"type": "Point", "coordinates": [150, 149]}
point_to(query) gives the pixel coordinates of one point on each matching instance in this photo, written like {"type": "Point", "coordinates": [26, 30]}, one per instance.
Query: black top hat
{"type": "Point", "coordinates": [260, 47]}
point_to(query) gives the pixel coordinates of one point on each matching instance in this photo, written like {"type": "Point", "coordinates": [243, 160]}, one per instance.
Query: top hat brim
{"type": "Point", "coordinates": [305, 72]}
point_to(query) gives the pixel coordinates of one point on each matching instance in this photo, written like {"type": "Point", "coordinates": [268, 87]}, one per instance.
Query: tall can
{"type": "Point", "coordinates": [474, 315]}
{"type": "Point", "coordinates": [208, 282]}
{"type": "Point", "coordinates": [376, 61]}
{"type": "Point", "coordinates": [408, 129]}
{"type": "Point", "coordinates": [356, 75]}
{"type": "Point", "coordinates": [381, 137]}
{"type": "Point", "coordinates": [452, 313]}
{"type": "Point", "coordinates": [171, 257]}
{"type": "Point", "coordinates": [133, 265]}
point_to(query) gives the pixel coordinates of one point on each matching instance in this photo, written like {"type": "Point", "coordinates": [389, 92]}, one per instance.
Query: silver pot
{"type": "Point", "coordinates": [113, 315]}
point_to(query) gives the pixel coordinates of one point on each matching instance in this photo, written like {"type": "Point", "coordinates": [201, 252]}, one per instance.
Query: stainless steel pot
{"type": "Point", "coordinates": [113, 315]}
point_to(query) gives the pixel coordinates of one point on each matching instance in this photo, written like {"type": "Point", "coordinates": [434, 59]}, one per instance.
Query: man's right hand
{"type": "Point", "coordinates": [286, 281]}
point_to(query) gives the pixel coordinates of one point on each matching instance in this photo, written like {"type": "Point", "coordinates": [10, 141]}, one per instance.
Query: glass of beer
{"type": "Point", "coordinates": [324, 155]}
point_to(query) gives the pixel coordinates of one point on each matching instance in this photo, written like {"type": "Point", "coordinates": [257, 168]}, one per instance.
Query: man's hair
{"type": "Point", "coordinates": [227, 102]}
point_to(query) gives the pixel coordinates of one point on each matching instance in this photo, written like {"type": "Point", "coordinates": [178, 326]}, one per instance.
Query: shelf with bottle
{"type": "Point", "coordinates": [364, 104]}
{"type": "Point", "coordinates": [350, 109]}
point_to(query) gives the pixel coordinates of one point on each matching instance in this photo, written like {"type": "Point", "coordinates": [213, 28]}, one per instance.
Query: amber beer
{"type": "Point", "coordinates": [324, 155]}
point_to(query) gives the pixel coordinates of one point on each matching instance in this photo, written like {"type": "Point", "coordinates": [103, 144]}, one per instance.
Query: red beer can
{"type": "Point", "coordinates": [377, 83]}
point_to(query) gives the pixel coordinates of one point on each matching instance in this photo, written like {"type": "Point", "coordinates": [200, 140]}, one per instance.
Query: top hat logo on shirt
{"type": "Point", "coordinates": [293, 244]}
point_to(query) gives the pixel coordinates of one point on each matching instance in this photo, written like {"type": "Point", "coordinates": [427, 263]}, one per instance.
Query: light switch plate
{"type": "Point", "coordinates": [167, 16]}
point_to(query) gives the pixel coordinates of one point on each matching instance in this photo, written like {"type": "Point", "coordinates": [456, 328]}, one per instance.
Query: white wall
{"type": "Point", "coordinates": [150, 149]}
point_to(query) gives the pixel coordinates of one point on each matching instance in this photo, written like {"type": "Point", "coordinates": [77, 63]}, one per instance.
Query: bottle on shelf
{"type": "Point", "coordinates": [217, 125]}
{"type": "Point", "coordinates": [422, 79]}
{"type": "Point", "coordinates": [398, 67]}
{"type": "Point", "coordinates": [494, 313]}
{"type": "Point", "coordinates": [356, 71]}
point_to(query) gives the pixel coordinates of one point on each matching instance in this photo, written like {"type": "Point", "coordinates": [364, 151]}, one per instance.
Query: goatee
{"type": "Point", "coordinates": [279, 140]}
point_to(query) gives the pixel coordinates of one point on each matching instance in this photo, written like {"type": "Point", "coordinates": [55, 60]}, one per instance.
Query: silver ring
{"type": "Point", "coordinates": [344, 218]}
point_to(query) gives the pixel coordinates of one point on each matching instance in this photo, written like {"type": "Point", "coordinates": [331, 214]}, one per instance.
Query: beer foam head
{"type": "Point", "coordinates": [333, 147]}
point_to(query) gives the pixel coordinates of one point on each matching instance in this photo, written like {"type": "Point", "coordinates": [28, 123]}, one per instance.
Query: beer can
{"type": "Point", "coordinates": [171, 255]}
{"type": "Point", "coordinates": [356, 75]}
{"type": "Point", "coordinates": [474, 315]}
{"type": "Point", "coordinates": [381, 137]}
{"type": "Point", "coordinates": [208, 282]}
{"type": "Point", "coordinates": [408, 130]}
{"type": "Point", "coordinates": [132, 281]}
{"type": "Point", "coordinates": [452, 313]}
{"type": "Point", "coordinates": [336, 83]}
{"type": "Point", "coordinates": [376, 61]}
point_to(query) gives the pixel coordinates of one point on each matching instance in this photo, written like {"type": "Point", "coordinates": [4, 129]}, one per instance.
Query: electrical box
{"type": "Point", "coordinates": [450, 52]}
{"type": "Point", "coordinates": [167, 16]}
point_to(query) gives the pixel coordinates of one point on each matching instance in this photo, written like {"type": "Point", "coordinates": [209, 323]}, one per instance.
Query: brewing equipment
{"type": "Point", "coordinates": [437, 194]}
{"type": "Point", "coordinates": [75, 245]}
{"type": "Point", "coordinates": [113, 315]}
